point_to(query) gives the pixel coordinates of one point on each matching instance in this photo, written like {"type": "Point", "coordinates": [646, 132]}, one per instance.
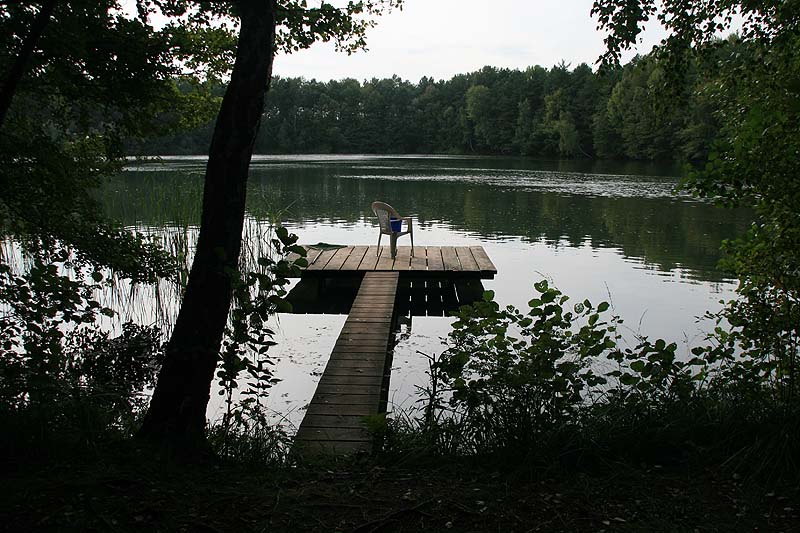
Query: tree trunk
{"type": "Point", "coordinates": [17, 69]}
{"type": "Point", "coordinates": [177, 413]}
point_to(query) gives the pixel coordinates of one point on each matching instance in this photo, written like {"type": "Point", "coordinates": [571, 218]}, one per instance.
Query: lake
{"type": "Point", "coordinates": [596, 230]}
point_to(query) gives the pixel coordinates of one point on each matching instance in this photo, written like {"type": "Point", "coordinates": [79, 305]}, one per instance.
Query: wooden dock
{"type": "Point", "coordinates": [428, 261]}
{"type": "Point", "coordinates": [355, 383]}
{"type": "Point", "coordinates": [355, 380]}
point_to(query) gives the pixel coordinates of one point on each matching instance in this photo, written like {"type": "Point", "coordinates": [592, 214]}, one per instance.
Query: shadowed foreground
{"type": "Point", "coordinates": [121, 495]}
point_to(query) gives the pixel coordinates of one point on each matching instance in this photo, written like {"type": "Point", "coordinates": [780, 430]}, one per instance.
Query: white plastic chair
{"type": "Point", "coordinates": [385, 214]}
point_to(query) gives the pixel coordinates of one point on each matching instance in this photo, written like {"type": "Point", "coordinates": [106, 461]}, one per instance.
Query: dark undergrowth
{"type": "Point", "coordinates": [702, 477]}
{"type": "Point", "coordinates": [121, 489]}
{"type": "Point", "coordinates": [536, 421]}
{"type": "Point", "coordinates": [765, 452]}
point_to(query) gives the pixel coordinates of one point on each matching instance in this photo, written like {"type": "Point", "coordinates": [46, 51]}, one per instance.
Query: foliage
{"type": "Point", "coordinates": [559, 380]}
{"type": "Point", "coordinates": [755, 344]}
{"type": "Point", "coordinates": [250, 437]}
{"type": "Point", "coordinates": [505, 366]}
{"type": "Point", "coordinates": [47, 205]}
{"type": "Point", "coordinates": [300, 26]}
{"type": "Point", "coordinates": [94, 77]}
{"type": "Point", "coordinates": [753, 163]}
{"type": "Point", "coordinates": [247, 340]}
{"type": "Point", "coordinates": [60, 377]}
{"type": "Point", "coordinates": [63, 377]}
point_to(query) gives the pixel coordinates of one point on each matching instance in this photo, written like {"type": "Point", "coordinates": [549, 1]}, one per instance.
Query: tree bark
{"type": "Point", "coordinates": [17, 70]}
{"type": "Point", "coordinates": [177, 413]}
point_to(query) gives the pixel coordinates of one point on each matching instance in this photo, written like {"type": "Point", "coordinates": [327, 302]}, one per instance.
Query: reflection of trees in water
{"type": "Point", "coordinates": [665, 231]}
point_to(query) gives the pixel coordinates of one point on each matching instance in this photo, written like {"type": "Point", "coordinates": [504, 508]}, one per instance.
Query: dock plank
{"type": "Point", "coordinates": [322, 259]}
{"type": "Point", "coordinates": [336, 422]}
{"type": "Point", "coordinates": [312, 254]}
{"type": "Point", "coordinates": [355, 258]}
{"type": "Point", "coordinates": [353, 327]}
{"type": "Point", "coordinates": [352, 336]}
{"type": "Point", "coordinates": [419, 261]}
{"type": "Point", "coordinates": [402, 260]}
{"type": "Point", "coordinates": [333, 433]}
{"type": "Point", "coordinates": [433, 298]}
{"type": "Point", "coordinates": [359, 352]}
{"type": "Point", "coordinates": [360, 336]}
{"type": "Point", "coordinates": [292, 257]}
{"type": "Point", "coordinates": [450, 258]}
{"type": "Point", "coordinates": [347, 380]}
{"type": "Point", "coordinates": [370, 259]}
{"type": "Point", "coordinates": [354, 409]}
{"type": "Point", "coordinates": [435, 262]}
{"type": "Point", "coordinates": [355, 372]}
{"type": "Point", "coordinates": [417, 292]}
{"type": "Point", "coordinates": [329, 398]}
{"type": "Point", "coordinates": [355, 367]}
{"type": "Point", "coordinates": [359, 328]}
{"type": "Point", "coordinates": [482, 258]}
{"type": "Point", "coordinates": [339, 258]}
{"type": "Point", "coordinates": [370, 389]}
{"type": "Point", "coordinates": [466, 259]}
{"type": "Point", "coordinates": [385, 261]}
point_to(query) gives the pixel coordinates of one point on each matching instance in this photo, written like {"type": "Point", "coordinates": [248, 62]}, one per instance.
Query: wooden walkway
{"type": "Point", "coordinates": [355, 379]}
{"type": "Point", "coordinates": [428, 261]}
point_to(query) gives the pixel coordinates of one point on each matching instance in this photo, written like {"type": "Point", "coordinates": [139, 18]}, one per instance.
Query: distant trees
{"type": "Point", "coordinates": [537, 112]}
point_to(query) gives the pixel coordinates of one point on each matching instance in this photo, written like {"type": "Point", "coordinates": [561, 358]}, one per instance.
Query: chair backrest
{"type": "Point", "coordinates": [384, 211]}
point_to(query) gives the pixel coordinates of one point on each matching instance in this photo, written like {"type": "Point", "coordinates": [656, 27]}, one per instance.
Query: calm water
{"type": "Point", "coordinates": [597, 231]}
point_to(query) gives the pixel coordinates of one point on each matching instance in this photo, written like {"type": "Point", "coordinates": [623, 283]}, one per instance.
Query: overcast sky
{"type": "Point", "coordinates": [440, 38]}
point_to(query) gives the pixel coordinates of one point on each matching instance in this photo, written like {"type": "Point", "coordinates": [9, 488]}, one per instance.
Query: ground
{"type": "Point", "coordinates": [124, 494]}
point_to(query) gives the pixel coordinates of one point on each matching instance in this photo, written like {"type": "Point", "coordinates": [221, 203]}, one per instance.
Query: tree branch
{"type": "Point", "coordinates": [17, 69]}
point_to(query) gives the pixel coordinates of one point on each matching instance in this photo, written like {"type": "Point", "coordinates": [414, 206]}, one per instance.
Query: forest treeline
{"type": "Point", "coordinates": [539, 112]}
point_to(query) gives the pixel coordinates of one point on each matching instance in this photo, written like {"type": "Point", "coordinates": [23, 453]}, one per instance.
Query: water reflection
{"type": "Point", "coordinates": [494, 199]}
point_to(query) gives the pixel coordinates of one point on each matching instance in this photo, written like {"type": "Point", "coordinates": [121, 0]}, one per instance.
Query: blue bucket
{"type": "Point", "coordinates": [396, 224]}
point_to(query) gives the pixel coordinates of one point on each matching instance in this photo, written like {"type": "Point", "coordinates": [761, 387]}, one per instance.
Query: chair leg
{"type": "Point", "coordinates": [393, 244]}
{"type": "Point", "coordinates": [378, 251]}
{"type": "Point", "coordinates": [412, 243]}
